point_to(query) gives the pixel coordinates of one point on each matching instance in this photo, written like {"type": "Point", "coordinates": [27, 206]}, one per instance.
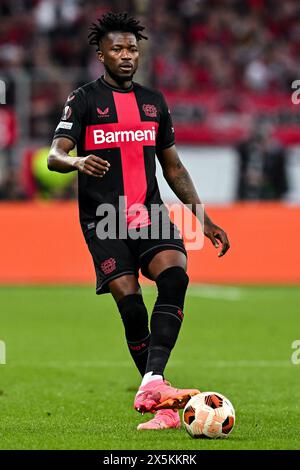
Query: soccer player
{"type": "Point", "coordinates": [118, 127]}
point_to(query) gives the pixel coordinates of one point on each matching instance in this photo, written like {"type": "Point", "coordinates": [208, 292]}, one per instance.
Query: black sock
{"type": "Point", "coordinates": [135, 319]}
{"type": "Point", "coordinates": [167, 317]}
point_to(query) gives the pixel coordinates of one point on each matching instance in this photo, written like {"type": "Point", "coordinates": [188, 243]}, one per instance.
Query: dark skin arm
{"type": "Point", "coordinates": [60, 161]}
{"type": "Point", "coordinates": [181, 183]}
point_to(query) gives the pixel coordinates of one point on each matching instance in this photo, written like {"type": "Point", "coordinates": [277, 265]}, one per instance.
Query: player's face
{"type": "Point", "coordinates": [119, 54]}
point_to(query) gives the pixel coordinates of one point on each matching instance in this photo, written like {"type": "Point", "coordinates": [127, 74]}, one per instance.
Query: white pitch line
{"type": "Point", "coordinates": [208, 291]}
{"type": "Point", "coordinates": [124, 364]}
{"type": "Point", "coordinates": [250, 363]}
{"type": "Point", "coordinates": [216, 292]}
{"type": "Point", "coordinates": [72, 364]}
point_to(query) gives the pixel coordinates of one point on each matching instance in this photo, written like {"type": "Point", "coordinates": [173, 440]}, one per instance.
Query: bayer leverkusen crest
{"type": "Point", "coordinates": [108, 265]}
{"type": "Point", "coordinates": [150, 110]}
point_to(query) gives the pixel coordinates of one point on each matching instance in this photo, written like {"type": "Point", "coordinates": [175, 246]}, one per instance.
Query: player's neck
{"type": "Point", "coordinates": [116, 84]}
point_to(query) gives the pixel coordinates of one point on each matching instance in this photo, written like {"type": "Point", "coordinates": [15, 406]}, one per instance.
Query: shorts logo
{"type": "Point", "coordinates": [102, 114]}
{"type": "Point", "coordinates": [108, 266]}
{"type": "Point", "coordinates": [150, 110]}
{"type": "Point", "coordinates": [66, 113]}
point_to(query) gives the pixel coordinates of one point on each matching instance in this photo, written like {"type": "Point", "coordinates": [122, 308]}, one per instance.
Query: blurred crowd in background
{"type": "Point", "coordinates": [249, 46]}
{"type": "Point", "coordinates": [207, 43]}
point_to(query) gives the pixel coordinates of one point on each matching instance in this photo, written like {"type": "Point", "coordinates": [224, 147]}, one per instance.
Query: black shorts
{"type": "Point", "coordinates": [116, 257]}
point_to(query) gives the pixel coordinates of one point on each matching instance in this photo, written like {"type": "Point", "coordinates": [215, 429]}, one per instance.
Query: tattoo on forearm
{"type": "Point", "coordinates": [183, 186]}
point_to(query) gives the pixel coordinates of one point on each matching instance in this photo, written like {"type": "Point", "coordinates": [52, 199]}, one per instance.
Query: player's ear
{"type": "Point", "coordinates": [100, 55]}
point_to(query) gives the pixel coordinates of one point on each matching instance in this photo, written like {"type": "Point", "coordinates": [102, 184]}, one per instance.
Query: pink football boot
{"type": "Point", "coordinates": [163, 419]}
{"type": "Point", "coordinates": [159, 394]}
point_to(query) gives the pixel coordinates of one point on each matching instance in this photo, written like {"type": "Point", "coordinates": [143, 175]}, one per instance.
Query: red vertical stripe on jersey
{"type": "Point", "coordinates": [132, 155]}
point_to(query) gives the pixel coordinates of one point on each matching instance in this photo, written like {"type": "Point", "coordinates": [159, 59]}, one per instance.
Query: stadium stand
{"type": "Point", "coordinates": [222, 50]}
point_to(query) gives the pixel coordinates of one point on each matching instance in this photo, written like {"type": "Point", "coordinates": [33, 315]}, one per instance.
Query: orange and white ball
{"type": "Point", "coordinates": [209, 415]}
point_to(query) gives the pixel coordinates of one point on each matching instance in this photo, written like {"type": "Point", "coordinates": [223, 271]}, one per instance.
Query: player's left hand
{"type": "Point", "coordinates": [217, 235]}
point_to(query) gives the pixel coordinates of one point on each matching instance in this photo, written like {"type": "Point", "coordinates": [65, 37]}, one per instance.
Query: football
{"type": "Point", "coordinates": [209, 415]}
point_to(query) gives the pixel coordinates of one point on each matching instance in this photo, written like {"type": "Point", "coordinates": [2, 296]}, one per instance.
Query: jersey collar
{"type": "Point", "coordinates": [120, 90]}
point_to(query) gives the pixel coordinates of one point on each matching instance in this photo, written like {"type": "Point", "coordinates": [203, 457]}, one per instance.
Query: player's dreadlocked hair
{"type": "Point", "coordinates": [115, 22]}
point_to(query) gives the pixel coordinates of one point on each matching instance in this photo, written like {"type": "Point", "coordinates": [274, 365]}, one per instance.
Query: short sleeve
{"type": "Point", "coordinates": [165, 135]}
{"type": "Point", "coordinates": [71, 121]}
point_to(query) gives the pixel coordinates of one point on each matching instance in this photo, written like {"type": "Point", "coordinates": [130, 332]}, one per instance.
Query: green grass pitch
{"type": "Point", "coordinates": [69, 382]}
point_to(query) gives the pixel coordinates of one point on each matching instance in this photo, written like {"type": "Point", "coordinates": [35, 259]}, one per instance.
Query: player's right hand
{"type": "Point", "coordinates": [92, 166]}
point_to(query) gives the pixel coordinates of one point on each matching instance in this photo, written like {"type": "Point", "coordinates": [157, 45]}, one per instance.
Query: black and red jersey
{"type": "Point", "coordinates": [126, 128]}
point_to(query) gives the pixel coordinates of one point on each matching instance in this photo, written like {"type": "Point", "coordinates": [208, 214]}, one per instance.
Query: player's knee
{"type": "Point", "coordinates": [134, 313]}
{"type": "Point", "coordinates": [172, 284]}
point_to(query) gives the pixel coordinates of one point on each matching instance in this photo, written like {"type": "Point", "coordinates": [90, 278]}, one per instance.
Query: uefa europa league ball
{"type": "Point", "coordinates": [209, 415]}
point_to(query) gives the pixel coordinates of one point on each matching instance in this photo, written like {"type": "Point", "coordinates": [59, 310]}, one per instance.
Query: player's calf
{"type": "Point", "coordinates": [135, 319]}
{"type": "Point", "coordinates": [167, 317]}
